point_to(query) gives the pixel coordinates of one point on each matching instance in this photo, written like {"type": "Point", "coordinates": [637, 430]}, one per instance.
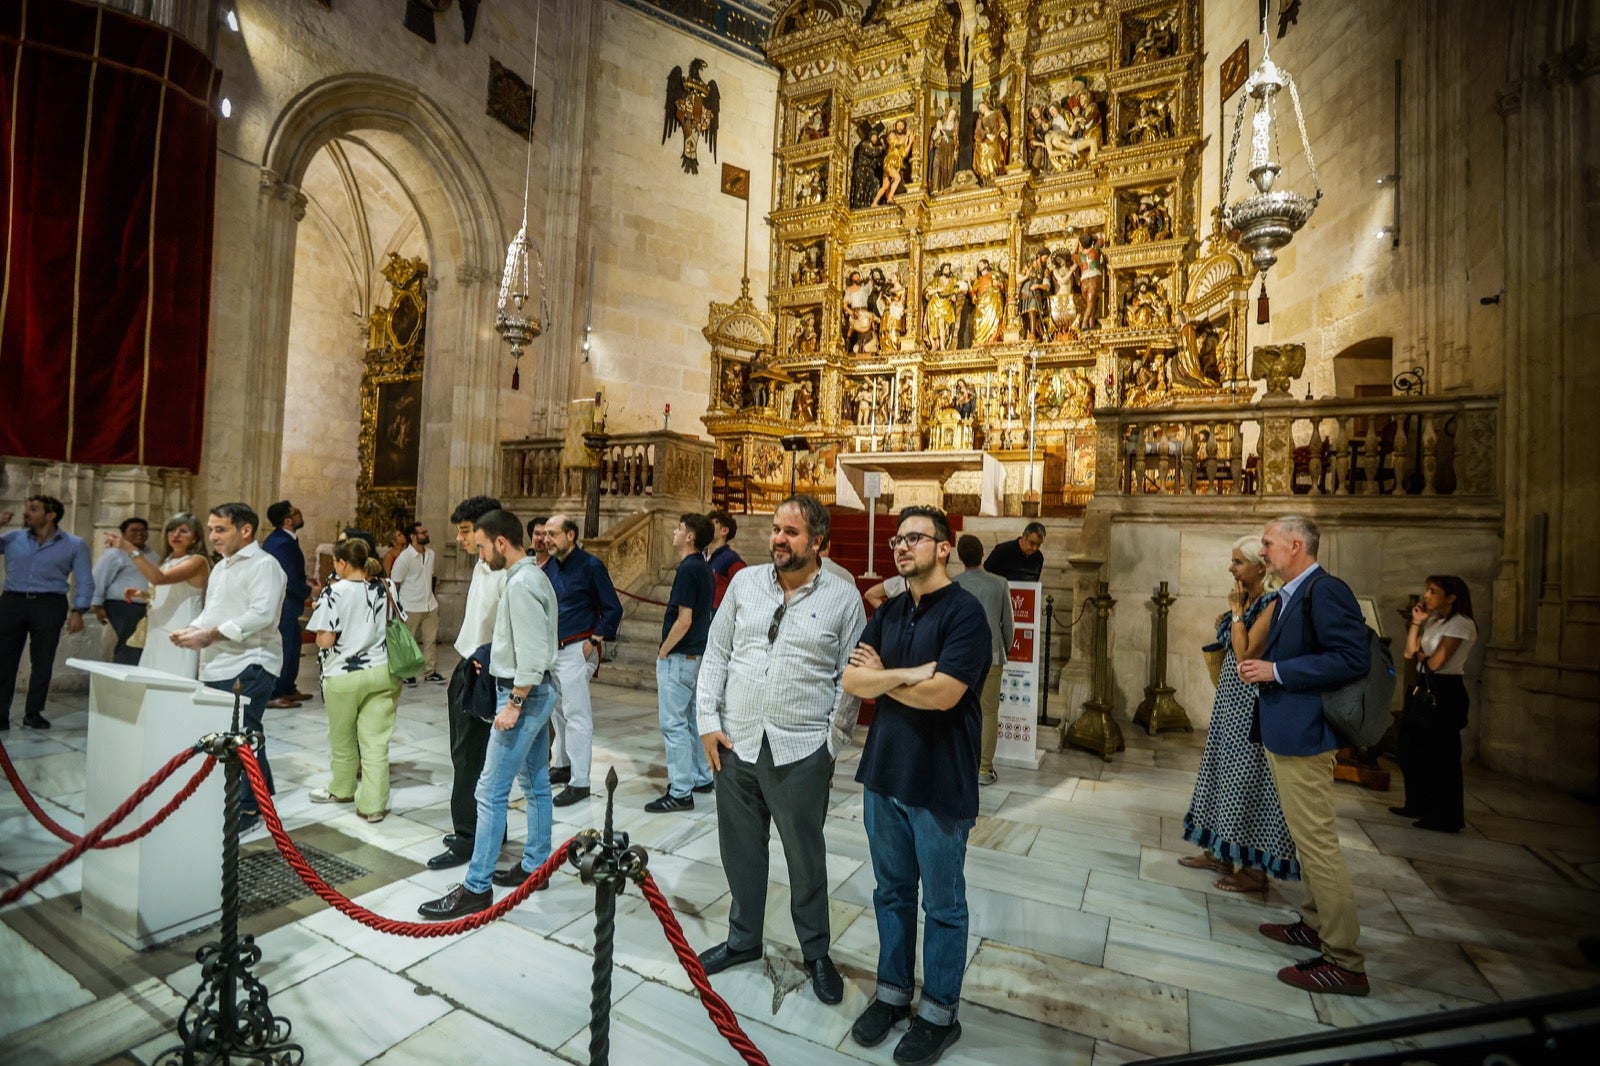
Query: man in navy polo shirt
{"type": "Point", "coordinates": [924, 657]}
{"type": "Point", "coordinates": [683, 642]}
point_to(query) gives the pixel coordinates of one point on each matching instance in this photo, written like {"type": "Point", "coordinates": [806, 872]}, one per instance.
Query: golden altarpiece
{"type": "Point", "coordinates": [985, 223]}
{"type": "Point", "coordinates": [391, 400]}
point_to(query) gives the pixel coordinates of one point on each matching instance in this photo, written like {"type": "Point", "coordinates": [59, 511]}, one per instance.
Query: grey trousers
{"type": "Point", "coordinates": [750, 798]}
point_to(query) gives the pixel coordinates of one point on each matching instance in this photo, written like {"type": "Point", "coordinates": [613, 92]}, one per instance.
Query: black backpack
{"type": "Point", "coordinates": [1358, 711]}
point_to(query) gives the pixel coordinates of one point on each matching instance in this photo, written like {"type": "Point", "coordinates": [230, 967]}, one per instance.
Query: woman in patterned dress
{"type": "Point", "coordinates": [350, 620]}
{"type": "Point", "coordinates": [1235, 814]}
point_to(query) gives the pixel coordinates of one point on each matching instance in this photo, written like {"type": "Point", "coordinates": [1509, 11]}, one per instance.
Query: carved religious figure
{"type": "Point", "coordinates": [988, 297]}
{"type": "Point", "coordinates": [807, 335]}
{"type": "Point", "coordinates": [892, 323]}
{"type": "Point", "coordinates": [897, 162]}
{"type": "Point", "coordinates": [1038, 131]}
{"type": "Point", "coordinates": [733, 385]}
{"type": "Point", "coordinates": [808, 271]}
{"type": "Point", "coordinates": [810, 185]}
{"type": "Point", "coordinates": [1064, 302]}
{"type": "Point", "coordinates": [860, 320]}
{"type": "Point", "coordinates": [1090, 262]}
{"type": "Point", "coordinates": [991, 140]}
{"type": "Point", "coordinates": [945, 147]}
{"type": "Point", "coordinates": [967, 35]}
{"type": "Point", "coordinates": [1077, 128]}
{"type": "Point", "coordinates": [1153, 122]}
{"type": "Point", "coordinates": [813, 122]}
{"type": "Point", "coordinates": [1147, 382]}
{"type": "Point", "coordinates": [1035, 288]}
{"type": "Point", "coordinates": [1146, 305]}
{"type": "Point", "coordinates": [1148, 221]}
{"type": "Point", "coordinates": [803, 406]}
{"type": "Point", "coordinates": [939, 319]}
{"type": "Point", "coordinates": [866, 170]}
{"type": "Point", "coordinates": [1158, 41]}
{"type": "Point", "coordinates": [1195, 365]}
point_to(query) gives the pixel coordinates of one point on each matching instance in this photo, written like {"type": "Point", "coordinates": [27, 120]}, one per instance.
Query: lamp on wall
{"type": "Point", "coordinates": [1268, 219]}
{"type": "Point", "coordinates": [522, 310]}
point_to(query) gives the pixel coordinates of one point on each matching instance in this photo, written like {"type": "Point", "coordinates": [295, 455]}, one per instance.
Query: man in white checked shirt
{"type": "Point", "coordinates": [773, 715]}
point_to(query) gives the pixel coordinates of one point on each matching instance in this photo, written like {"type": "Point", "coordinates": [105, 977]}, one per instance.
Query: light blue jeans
{"type": "Point", "coordinates": [687, 767]}
{"type": "Point", "coordinates": [909, 844]}
{"type": "Point", "coordinates": [521, 753]}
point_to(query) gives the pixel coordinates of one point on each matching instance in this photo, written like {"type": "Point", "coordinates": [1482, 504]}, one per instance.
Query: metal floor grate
{"type": "Point", "coordinates": [267, 882]}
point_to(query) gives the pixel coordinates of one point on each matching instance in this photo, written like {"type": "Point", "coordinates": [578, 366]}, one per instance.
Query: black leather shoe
{"type": "Point", "coordinates": [719, 958]}
{"type": "Point", "coordinates": [512, 877]}
{"type": "Point", "coordinates": [570, 795]}
{"type": "Point", "coordinates": [36, 721]}
{"type": "Point", "coordinates": [825, 980]}
{"type": "Point", "coordinates": [457, 903]}
{"type": "Point", "coordinates": [924, 1042]}
{"type": "Point", "coordinates": [449, 858]}
{"type": "Point", "coordinates": [876, 1021]}
{"type": "Point", "coordinates": [668, 803]}
{"type": "Point", "coordinates": [455, 840]}
{"type": "Point", "coordinates": [247, 822]}
{"type": "Point", "coordinates": [704, 790]}
{"type": "Point", "coordinates": [560, 775]}
{"type": "Point", "coordinates": [1403, 812]}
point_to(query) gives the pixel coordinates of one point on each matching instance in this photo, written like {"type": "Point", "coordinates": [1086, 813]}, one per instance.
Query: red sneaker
{"type": "Point", "coordinates": [1321, 975]}
{"type": "Point", "coordinates": [1298, 934]}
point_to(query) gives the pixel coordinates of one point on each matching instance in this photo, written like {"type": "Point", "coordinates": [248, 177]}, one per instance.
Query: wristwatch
{"type": "Point", "coordinates": [1238, 618]}
{"type": "Point", "coordinates": [515, 700]}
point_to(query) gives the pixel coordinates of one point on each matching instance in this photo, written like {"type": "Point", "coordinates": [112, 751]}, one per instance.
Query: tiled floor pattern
{"type": "Point", "coordinates": [1089, 943]}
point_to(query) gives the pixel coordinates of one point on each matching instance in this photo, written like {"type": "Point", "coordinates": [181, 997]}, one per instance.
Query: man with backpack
{"type": "Point", "coordinates": [1318, 643]}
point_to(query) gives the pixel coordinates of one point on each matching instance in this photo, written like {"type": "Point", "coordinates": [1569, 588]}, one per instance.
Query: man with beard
{"type": "Point", "coordinates": [522, 661]}
{"type": "Point", "coordinates": [283, 544]}
{"type": "Point", "coordinates": [924, 657]}
{"type": "Point", "coordinates": [413, 579]}
{"type": "Point", "coordinates": [469, 734]}
{"type": "Point", "coordinates": [773, 717]}
{"type": "Point", "coordinates": [39, 560]}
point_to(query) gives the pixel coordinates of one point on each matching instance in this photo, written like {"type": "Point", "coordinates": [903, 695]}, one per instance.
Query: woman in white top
{"type": "Point", "coordinates": [349, 620]}
{"type": "Point", "coordinates": [1440, 638]}
{"type": "Point", "coordinates": [177, 592]}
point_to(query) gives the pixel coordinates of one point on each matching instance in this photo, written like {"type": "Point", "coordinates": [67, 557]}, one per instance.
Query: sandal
{"type": "Point", "coordinates": [1234, 882]}
{"type": "Point", "coordinates": [1206, 861]}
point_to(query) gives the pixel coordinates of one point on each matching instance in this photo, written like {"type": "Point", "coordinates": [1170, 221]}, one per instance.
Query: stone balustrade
{"type": "Point", "coordinates": [637, 471]}
{"type": "Point", "coordinates": [1402, 446]}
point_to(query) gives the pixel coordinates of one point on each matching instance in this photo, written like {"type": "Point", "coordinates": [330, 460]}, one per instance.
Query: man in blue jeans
{"type": "Point", "coordinates": [237, 633]}
{"type": "Point", "coordinates": [923, 656]}
{"type": "Point", "coordinates": [522, 656]}
{"type": "Point", "coordinates": [683, 642]}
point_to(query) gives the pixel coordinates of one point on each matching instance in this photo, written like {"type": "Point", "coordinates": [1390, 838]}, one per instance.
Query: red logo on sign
{"type": "Point", "coordinates": [1023, 603]}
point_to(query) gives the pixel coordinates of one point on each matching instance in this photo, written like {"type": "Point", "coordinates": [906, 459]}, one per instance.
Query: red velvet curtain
{"type": "Point", "coordinates": [108, 139]}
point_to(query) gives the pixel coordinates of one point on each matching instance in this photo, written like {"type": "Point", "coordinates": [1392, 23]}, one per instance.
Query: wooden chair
{"type": "Point", "coordinates": [729, 490]}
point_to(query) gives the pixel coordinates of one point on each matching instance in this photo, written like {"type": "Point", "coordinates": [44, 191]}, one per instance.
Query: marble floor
{"type": "Point", "coordinates": [1089, 943]}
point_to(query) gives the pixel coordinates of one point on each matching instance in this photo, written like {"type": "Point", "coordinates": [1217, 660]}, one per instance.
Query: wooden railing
{"type": "Point", "coordinates": [1399, 446]}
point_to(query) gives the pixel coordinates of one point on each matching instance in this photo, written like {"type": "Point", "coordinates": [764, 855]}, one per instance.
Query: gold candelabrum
{"type": "Point", "coordinates": [1160, 710]}
{"type": "Point", "coordinates": [1095, 730]}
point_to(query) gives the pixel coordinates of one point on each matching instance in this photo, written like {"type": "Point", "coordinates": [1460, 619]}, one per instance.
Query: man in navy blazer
{"type": "Point", "coordinates": [1301, 662]}
{"type": "Point", "coordinates": [283, 546]}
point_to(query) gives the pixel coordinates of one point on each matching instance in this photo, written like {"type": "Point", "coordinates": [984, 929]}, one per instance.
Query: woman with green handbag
{"type": "Point", "coordinates": [351, 621]}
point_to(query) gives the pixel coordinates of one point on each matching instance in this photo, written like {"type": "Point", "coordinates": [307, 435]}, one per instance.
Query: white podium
{"type": "Point", "coordinates": [168, 883]}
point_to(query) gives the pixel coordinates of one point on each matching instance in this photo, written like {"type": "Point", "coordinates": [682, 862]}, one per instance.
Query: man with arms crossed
{"type": "Point", "coordinates": [590, 614]}
{"type": "Point", "coordinates": [237, 633]}
{"type": "Point", "coordinates": [683, 642]}
{"type": "Point", "coordinates": [39, 558]}
{"type": "Point", "coordinates": [519, 747]}
{"type": "Point", "coordinates": [469, 735]}
{"type": "Point", "coordinates": [923, 656]}
{"type": "Point", "coordinates": [1318, 641]}
{"type": "Point", "coordinates": [773, 716]}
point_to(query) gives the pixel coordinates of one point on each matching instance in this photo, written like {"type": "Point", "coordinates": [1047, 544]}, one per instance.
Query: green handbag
{"type": "Point", "coordinates": [405, 656]}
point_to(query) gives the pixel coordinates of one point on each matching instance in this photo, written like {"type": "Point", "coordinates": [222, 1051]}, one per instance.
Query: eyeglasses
{"type": "Point", "coordinates": [777, 616]}
{"type": "Point", "coordinates": [910, 540]}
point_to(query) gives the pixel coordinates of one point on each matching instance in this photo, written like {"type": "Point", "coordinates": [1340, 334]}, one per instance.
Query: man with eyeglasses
{"type": "Point", "coordinates": [1020, 559]}
{"type": "Point", "coordinates": [924, 657]}
{"type": "Point", "coordinates": [773, 715]}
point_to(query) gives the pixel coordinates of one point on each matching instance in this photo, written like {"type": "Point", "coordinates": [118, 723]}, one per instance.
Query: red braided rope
{"type": "Point", "coordinates": [350, 909]}
{"type": "Point", "coordinates": [108, 843]}
{"type": "Point", "coordinates": [94, 837]}
{"type": "Point", "coordinates": [643, 599]}
{"type": "Point", "coordinates": [722, 1015]}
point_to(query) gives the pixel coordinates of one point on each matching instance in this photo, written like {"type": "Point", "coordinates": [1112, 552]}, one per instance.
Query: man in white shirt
{"type": "Point", "coordinates": [237, 633]}
{"type": "Point", "coordinates": [469, 735]}
{"type": "Point", "coordinates": [114, 577]}
{"type": "Point", "coordinates": [413, 579]}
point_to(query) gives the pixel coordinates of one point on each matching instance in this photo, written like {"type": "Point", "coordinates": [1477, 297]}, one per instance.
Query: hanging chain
{"type": "Point", "coordinates": [1233, 150]}
{"type": "Point", "coordinates": [1305, 140]}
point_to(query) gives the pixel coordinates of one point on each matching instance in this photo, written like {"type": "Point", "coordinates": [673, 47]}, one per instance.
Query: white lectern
{"type": "Point", "coordinates": [168, 883]}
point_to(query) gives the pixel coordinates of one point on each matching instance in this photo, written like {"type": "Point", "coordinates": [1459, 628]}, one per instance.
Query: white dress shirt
{"type": "Point", "coordinates": [413, 576]}
{"type": "Point", "coordinates": [243, 600]}
{"type": "Point", "coordinates": [483, 603]}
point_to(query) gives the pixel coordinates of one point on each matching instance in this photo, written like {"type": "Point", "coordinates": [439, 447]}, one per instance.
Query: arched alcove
{"type": "Point", "coordinates": [1365, 368]}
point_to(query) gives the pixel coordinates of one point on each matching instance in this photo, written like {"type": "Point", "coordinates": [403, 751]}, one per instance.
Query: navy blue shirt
{"type": "Point", "coordinates": [929, 758]}
{"type": "Point", "coordinates": [691, 588]}
{"type": "Point", "coordinates": [588, 601]}
{"type": "Point", "coordinates": [282, 546]}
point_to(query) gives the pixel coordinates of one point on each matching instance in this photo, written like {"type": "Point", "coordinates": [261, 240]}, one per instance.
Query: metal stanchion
{"type": "Point", "coordinates": [214, 1025]}
{"type": "Point", "coordinates": [606, 861]}
{"type": "Point", "coordinates": [1044, 665]}
{"type": "Point", "coordinates": [1160, 709]}
{"type": "Point", "coordinates": [1095, 730]}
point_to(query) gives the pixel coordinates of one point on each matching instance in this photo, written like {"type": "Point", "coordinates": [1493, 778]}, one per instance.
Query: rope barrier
{"type": "Point", "coordinates": [644, 599]}
{"type": "Point", "coordinates": [96, 837]}
{"type": "Point", "coordinates": [350, 909]}
{"type": "Point", "coordinates": [722, 1015]}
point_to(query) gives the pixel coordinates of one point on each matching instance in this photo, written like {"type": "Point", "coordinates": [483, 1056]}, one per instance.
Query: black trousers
{"type": "Point", "coordinates": [34, 620]}
{"type": "Point", "coordinates": [1430, 752]}
{"type": "Point", "coordinates": [288, 679]}
{"type": "Point", "coordinates": [124, 619]}
{"type": "Point", "coordinates": [469, 741]}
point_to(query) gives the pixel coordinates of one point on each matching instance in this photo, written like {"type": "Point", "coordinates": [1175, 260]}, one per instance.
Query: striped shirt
{"type": "Point", "coordinates": [789, 690]}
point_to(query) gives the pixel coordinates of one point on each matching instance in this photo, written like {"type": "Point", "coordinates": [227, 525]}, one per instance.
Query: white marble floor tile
{"type": "Point", "coordinates": [522, 982]}
{"type": "Point", "coordinates": [1086, 851]}
{"type": "Point", "coordinates": [355, 1011]}
{"type": "Point", "coordinates": [1445, 849]}
{"type": "Point", "coordinates": [459, 1035]}
{"type": "Point", "coordinates": [989, 1037]}
{"type": "Point", "coordinates": [33, 987]}
{"type": "Point", "coordinates": [398, 900]}
{"type": "Point", "coordinates": [147, 1012]}
{"type": "Point", "coordinates": [1516, 975]}
{"type": "Point", "coordinates": [288, 956]}
{"type": "Point", "coordinates": [1176, 910]}
{"type": "Point", "coordinates": [1202, 965]}
{"type": "Point", "coordinates": [1046, 927]}
{"type": "Point", "coordinates": [1217, 1022]}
